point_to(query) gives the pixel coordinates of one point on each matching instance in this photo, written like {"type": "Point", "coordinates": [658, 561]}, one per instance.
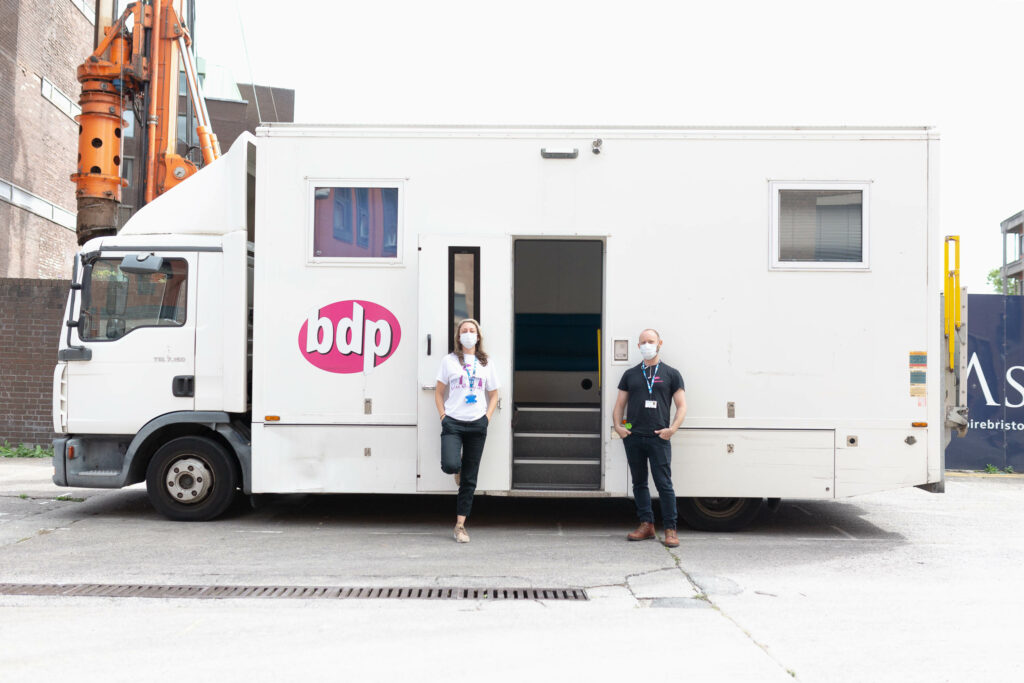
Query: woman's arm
{"type": "Point", "coordinates": [439, 397]}
{"type": "Point", "coordinates": [492, 403]}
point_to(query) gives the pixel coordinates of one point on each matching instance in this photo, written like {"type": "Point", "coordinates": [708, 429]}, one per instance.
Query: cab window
{"type": "Point", "coordinates": [115, 303]}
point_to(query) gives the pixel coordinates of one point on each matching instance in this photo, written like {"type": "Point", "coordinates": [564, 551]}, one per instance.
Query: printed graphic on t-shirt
{"type": "Point", "coordinates": [467, 380]}
{"type": "Point", "coordinates": [465, 402]}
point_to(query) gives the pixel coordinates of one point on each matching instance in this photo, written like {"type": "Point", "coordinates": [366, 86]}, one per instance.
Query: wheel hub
{"type": "Point", "coordinates": [188, 480]}
{"type": "Point", "coordinates": [719, 507]}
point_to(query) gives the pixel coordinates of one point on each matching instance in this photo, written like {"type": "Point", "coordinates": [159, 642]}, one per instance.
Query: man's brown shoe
{"type": "Point", "coordinates": [643, 532]}
{"type": "Point", "coordinates": [671, 539]}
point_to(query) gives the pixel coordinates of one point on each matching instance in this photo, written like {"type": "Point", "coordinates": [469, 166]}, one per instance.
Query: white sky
{"type": "Point", "coordinates": [953, 65]}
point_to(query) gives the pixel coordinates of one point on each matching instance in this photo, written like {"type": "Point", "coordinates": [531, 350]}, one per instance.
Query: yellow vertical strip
{"type": "Point", "coordinates": [945, 287]}
{"type": "Point", "coordinates": [951, 291]}
{"type": "Point", "coordinates": [599, 358]}
{"type": "Point", "coordinates": [956, 285]}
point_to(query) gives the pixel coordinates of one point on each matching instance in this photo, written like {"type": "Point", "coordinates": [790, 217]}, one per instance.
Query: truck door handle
{"type": "Point", "coordinates": [184, 386]}
{"type": "Point", "coordinates": [428, 344]}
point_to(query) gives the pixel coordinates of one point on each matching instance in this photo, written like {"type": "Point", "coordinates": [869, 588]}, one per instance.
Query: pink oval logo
{"type": "Point", "coordinates": [349, 336]}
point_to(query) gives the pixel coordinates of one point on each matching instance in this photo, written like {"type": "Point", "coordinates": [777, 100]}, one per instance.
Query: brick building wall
{"type": "Point", "coordinates": [39, 39]}
{"type": "Point", "coordinates": [29, 330]}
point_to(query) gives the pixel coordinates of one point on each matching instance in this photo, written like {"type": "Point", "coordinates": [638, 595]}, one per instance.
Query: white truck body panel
{"type": "Point", "coordinates": [685, 217]}
{"type": "Point", "coordinates": [798, 378]}
{"type": "Point", "coordinates": [221, 339]}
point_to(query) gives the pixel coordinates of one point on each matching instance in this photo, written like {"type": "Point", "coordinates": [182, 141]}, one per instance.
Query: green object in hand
{"type": "Point", "coordinates": [628, 425]}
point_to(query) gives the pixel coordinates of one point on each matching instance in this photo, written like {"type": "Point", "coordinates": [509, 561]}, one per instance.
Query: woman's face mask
{"type": "Point", "coordinates": [648, 350]}
{"type": "Point", "coordinates": [468, 339]}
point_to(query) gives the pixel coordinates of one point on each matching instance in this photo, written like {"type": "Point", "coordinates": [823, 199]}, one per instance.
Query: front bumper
{"type": "Point", "coordinates": [60, 463]}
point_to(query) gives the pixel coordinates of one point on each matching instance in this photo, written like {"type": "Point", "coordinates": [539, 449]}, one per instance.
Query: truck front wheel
{"type": "Point", "coordinates": [191, 479]}
{"type": "Point", "coordinates": [718, 514]}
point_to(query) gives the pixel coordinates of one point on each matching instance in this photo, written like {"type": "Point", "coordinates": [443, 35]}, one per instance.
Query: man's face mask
{"type": "Point", "coordinates": [648, 350]}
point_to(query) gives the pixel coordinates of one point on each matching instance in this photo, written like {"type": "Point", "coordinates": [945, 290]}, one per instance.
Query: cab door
{"type": "Point", "coordinates": [462, 276]}
{"type": "Point", "coordinates": [140, 329]}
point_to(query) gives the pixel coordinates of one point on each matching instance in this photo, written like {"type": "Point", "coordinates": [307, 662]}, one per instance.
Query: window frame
{"type": "Point", "coordinates": [83, 304]}
{"type": "Point", "coordinates": [775, 188]}
{"type": "Point", "coordinates": [452, 252]}
{"type": "Point", "coordinates": [312, 184]}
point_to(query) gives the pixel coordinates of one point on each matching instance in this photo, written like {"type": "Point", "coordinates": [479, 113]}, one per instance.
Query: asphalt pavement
{"type": "Point", "coordinates": [899, 586]}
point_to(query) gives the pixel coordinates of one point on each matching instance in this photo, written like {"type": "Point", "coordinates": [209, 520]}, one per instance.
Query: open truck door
{"type": "Point", "coordinates": [464, 276]}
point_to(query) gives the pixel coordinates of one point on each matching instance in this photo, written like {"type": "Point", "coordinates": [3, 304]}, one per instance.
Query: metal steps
{"type": "Point", "coordinates": [556, 447]}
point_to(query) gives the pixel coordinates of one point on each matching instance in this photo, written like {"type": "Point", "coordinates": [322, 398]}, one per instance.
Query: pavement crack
{"type": "Point", "coordinates": [702, 595]}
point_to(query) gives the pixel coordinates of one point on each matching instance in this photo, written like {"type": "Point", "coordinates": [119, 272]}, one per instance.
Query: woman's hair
{"type": "Point", "coordinates": [481, 355]}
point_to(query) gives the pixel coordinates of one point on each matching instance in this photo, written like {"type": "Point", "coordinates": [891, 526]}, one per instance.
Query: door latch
{"type": "Point", "coordinates": [184, 386]}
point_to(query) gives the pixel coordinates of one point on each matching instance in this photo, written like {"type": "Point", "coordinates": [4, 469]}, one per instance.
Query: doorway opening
{"type": "Point", "coordinates": [556, 375]}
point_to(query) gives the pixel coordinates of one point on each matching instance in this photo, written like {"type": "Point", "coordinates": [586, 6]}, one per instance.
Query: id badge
{"type": "Point", "coordinates": [470, 398]}
{"type": "Point", "coordinates": [651, 404]}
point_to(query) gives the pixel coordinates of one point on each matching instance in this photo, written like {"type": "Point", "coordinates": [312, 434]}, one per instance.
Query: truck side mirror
{"type": "Point", "coordinates": [142, 264]}
{"type": "Point", "coordinates": [115, 328]}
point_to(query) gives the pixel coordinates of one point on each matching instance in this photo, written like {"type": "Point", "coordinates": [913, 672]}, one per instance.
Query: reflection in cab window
{"type": "Point", "coordinates": [355, 222]}
{"type": "Point", "coordinates": [115, 303]}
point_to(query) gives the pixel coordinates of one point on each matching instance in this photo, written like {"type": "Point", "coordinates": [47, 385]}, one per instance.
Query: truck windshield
{"type": "Point", "coordinates": [114, 302]}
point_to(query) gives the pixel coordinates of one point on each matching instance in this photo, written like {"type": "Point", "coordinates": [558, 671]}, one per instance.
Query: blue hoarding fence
{"type": "Point", "coordinates": [995, 386]}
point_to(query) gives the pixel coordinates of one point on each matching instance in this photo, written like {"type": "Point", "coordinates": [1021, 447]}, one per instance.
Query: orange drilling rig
{"type": "Point", "coordinates": [136, 63]}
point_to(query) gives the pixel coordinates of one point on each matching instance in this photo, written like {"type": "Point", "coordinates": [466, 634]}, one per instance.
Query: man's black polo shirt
{"type": "Point", "coordinates": [667, 381]}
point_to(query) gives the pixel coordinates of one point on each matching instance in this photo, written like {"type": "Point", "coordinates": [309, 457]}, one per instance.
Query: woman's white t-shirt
{"type": "Point", "coordinates": [457, 379]}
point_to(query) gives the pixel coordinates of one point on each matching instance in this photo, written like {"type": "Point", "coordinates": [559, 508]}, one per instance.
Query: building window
{"type": "Point", "coordinates": [86, 7]}
{"type": "Point", "coordinates": [819, 226]}
{"type": "Point", "coordinates": [59, 99]}
{"type": "Point", "coordinates": [182, 128]}
{"type": "Point", "coordinates": [9, 192]}
{"type": "Point", "coordinates": [355, 222]}
{"type": "Point", "coordinates": [128, 125]}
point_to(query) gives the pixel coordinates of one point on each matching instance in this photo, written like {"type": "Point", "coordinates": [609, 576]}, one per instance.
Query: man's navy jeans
{"type": "Point", "coordinates": [462, 446]}
{"type": "Point", "coordinates": [639, 450]}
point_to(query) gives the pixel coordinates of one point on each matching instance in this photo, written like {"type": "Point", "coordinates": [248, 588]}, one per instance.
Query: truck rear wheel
{"type": "Point", "coordinates": [191, 479]}
{"type": "Point", "coordinates": [718, 514]}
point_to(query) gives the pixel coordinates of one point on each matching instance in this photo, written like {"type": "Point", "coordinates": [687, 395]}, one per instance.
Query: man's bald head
{"type": "Point", "coordinates": [650, 335]}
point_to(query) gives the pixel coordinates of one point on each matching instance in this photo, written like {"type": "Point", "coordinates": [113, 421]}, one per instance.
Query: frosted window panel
{"type": "Point", "coordinates": [821, 226]}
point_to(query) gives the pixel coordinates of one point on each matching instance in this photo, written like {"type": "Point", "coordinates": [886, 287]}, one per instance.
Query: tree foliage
{"type": "Point", "coordinates": [995, 280]}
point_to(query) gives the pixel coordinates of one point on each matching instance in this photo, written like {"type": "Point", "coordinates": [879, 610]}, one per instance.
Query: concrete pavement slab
{"type": "Point", "coordinates": [161, 640]}
{"type": "Point", "coordinates": [900, 586]}
{"type": "Point", "coordinates": [661, 583]}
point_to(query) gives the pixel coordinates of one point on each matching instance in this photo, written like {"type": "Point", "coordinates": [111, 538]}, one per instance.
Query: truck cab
{"type": "Point", "coordinates": [157, 347]}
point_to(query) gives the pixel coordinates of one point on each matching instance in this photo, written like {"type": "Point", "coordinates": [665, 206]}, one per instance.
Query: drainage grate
{"type": "Point", "coordinates": [109, 590]}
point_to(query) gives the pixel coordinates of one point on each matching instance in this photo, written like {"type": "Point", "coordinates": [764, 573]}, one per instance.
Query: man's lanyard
{"type": "Point", "coordinates": [650, 382]}
{"type": "Point", "coordinates": [472, 378]}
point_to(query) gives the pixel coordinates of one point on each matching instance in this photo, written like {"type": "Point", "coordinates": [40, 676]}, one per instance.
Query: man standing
{"type": "Point", "coordinates": [646, 391]}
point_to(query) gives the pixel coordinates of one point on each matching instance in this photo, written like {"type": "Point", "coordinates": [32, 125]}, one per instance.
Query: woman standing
{"type": "Point", "coordinates": [472, 386]}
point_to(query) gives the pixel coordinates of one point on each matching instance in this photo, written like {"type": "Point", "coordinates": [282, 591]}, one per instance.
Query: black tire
{"type": "Point", "coordinates": [718, 514]}
{"type": "Point", "coordinates": [191, 479]}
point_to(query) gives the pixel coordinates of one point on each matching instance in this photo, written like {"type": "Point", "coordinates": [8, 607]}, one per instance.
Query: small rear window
{"type": "Point", "coordinates": [820, 226]}
{"type": "Point", "coordinates": [355, 222]}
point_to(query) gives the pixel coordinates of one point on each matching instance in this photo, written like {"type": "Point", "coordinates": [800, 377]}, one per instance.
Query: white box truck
{"type": "Point", "coordinates": [276, 322]}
